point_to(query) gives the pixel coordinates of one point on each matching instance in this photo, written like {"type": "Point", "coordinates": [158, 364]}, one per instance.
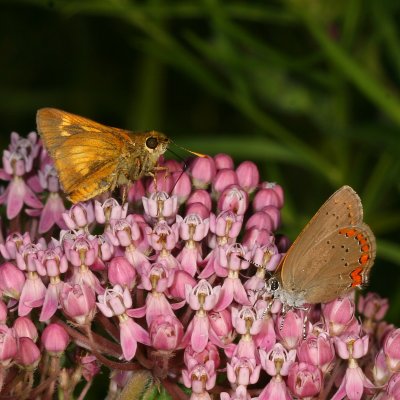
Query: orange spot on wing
{"type": "Point", "coordinates": [356, 277]}
{"type": "Point", "coordinates": [348, 232]}
{"type": "Point", "coordinates": [365, 248]}
{"type": "Point", "coordinates": [363, 259]}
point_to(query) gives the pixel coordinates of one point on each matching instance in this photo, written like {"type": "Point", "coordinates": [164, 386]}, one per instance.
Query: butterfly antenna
{"type": "Point", "coordinates": [185, 166]}
{"type": "Point", "coordinates": [254, 263]}
{"type": "Point", "coordinates": [189, 151]}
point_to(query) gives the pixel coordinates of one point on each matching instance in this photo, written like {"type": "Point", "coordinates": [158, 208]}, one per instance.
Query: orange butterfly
{"type": "Point", "coordinates": [91, 158]}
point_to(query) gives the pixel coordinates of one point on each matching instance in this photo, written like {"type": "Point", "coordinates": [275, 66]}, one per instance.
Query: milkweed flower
{"type": "Point", "coordinates": [161, 288]}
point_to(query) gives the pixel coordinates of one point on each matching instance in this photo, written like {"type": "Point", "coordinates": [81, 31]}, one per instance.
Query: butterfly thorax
{"type": "Point", "coordinates": [289, 298]}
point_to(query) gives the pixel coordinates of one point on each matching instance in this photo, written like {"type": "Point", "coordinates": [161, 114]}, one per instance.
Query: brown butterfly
{"type": "Point", "coordinates": [92, 158]}
{"type": "Point", "coordinates": [332, 255]}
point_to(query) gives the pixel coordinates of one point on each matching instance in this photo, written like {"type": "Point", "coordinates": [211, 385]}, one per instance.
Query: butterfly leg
{"type": "Point", "coordinates": [305, 321]}
{"type": "Point", "coordinates": [159, 169]}
{"type": "Point", "coordinates": [268, 309]}
{"type": "Point", "coordinates": [125, 191]}
{"type": "Point", "coordinates": [283, 315]}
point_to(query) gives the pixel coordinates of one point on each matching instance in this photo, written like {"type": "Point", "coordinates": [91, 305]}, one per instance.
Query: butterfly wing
{"type": "Point", "coordinates": [337, 263]}
{"type": "Point", "coordinates": [87, 155]}
{"type": "Point", "coordinates": [323, 263]}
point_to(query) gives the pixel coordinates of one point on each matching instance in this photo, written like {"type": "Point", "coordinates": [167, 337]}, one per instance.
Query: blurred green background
{"type": "Point", "coordinates": [309, 90]}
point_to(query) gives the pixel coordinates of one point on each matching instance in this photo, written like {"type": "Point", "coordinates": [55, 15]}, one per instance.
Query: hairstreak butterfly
{"type": "Point", "coordinates": [332, 255]}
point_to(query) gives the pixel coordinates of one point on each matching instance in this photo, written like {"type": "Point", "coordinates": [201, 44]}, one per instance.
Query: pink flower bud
{"type": "Point", "coordinates": [55, 339]}
{"type": "Point", "coordinates": [24, 327]}
{"type": "Point", "coordinates": [224, 179]}
{"type": "Point", "coordinates": [182, 186]}
{"type": "Point", "coordinates": [338, 314]}
{"type": "Point", "coordinates": [166, 332]}
{"type": "Point", "coordinates": [266, 338]}
{"type": "Point", "coordinates": [202, 171]}
{"type": "Point", "coordinates": [221, 324]}
{"type": "Point", "coordinates": [3, 312]}
{"type": "Point", "coordinates": [265, 197]}
{"type": "Point", "coordinates": [223, 161]}
{"type": "Point", "coordinates": [290, 329]}
{"type": "Point", "coordinates": [248, 176]}
{"type": "Point", "coordinates": [12, 280]}
{"type": "Point", "coordinates": [163, 182]}
{"type": "Point", "coordinates": [200, 196]}
{"type": "Point", "coordinates": [28, 355]}
{"type": "Point", "coordinates": [381, 372]}
{"type": "Point", "coordinates": [121, 272]}
{"type": "Point", "coordinates": [78, 302]}
{"type": "Point", "coordinates": [275, 215]}
{"type": "Point", "coordinates": [172, 165]}
{"type": "Point", "coordinates": [199, 209]}
{"type": "Point", "coordinates": [8, 345]}
{"type": "Point", "coordinates": [257, 237]}
{"type": "Point", "coordinates": [181, 279]}
{"type": "Point", "coordinates": [277, 189]}
{"type": "Point", "coordinates": [136, 192]}
{"type": "Point", "coordinates": [260, 220]}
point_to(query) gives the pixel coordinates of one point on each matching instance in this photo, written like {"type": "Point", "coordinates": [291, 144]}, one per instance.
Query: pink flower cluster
{"type": "Point", "coordinates": [162, 284]}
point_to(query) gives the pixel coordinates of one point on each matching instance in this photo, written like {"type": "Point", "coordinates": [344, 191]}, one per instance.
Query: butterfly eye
{"type": "Point", "coordinates": [151, 142]}
{"type": "Point", "coordinates": [272, 284]}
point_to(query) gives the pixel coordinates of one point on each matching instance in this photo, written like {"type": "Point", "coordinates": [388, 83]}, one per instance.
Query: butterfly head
{"type": "Point", "coordinates": [156, 143]}
{"type": "Point", "coordinates": [272, 285]}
